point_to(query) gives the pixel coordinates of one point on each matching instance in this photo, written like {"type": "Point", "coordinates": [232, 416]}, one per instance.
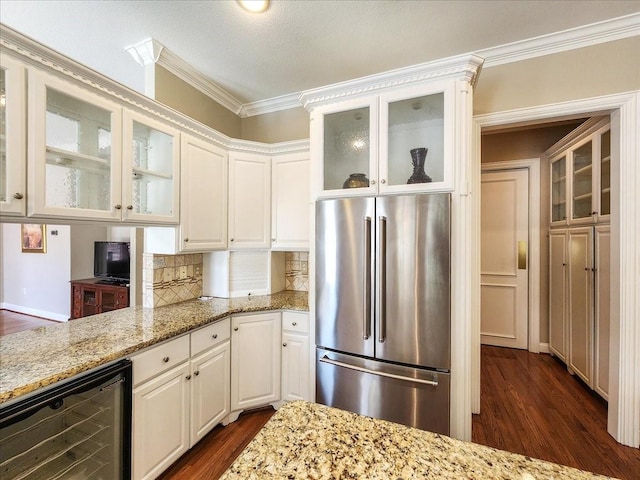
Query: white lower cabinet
{"type": "Point", "coordinates": [296, 374]}
{"type": "Point", "coordinates": [255, 361]}
{"type": "Point", "coordinates": [173, 409]}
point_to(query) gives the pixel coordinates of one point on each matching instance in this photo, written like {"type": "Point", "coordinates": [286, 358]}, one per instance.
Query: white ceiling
{"type": "Point", "coordinates": [297, 44]}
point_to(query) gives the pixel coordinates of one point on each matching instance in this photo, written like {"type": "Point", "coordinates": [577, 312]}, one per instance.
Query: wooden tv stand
{"type": "Point", "coordinates": [94, 295]}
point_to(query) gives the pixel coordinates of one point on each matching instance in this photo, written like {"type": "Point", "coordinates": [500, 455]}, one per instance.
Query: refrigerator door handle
{"type": "Point", "coordinates": [325, 359]}
{"type": "Point", "coordinates": [366, 328]}
{"type": "Point", "coordinates": [382, 284]}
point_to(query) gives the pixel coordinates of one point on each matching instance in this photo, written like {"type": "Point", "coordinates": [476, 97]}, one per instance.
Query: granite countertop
{"type": "Point", "coordinates": [36, 358]}
{"type": "Point", "coordinates": [305, 440]}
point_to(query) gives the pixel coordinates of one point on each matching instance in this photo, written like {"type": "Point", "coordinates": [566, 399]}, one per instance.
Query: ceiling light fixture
{"type": "Point", "coordinates": [254, 6]}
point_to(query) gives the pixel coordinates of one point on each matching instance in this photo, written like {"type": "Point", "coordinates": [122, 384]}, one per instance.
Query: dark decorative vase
{"type": "Point", "coordinates": [418, 156]}
{"type": "Point", "coordinates": [356, 180]}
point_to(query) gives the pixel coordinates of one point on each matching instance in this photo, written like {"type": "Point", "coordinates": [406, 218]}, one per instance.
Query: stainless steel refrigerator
{"type": "Point", "coordinates": [383, 302]}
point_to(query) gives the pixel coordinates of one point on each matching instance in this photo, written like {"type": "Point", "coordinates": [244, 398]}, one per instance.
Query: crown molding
{"type": "Point", "coordinates": [270, 105]}
{"type": "Point", "coordinates": [461, 67]}
{"type": "Point", "coordinates": [579, 37]}
{"type": "Point", "coordinates": [145, 52]}
{"type": "Point", "coordinates": [35, 54]}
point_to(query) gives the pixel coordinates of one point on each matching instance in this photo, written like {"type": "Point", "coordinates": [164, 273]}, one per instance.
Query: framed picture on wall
{"type": "Point", "coordinates": [34, 238]}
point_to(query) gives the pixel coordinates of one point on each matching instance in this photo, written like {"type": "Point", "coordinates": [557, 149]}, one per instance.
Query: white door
{"type": "Point", "coordinates": [504, 254]}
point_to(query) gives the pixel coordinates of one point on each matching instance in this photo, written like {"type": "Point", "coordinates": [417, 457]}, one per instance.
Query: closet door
{"type": "Point", "coordinates": [558, 270]}
{"type": "Point", "coordinates": [581, 303]}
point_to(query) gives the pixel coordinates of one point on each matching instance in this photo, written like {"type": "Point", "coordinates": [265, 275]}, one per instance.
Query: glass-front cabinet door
{"type": "Point", "coordinates": [415, 139]}
{"type": "Point", "coordinates": [604, 209]}
{"type": "Point", "coordinates": [73, 151]}
{"type": "Point", "coordinates": [582, 182]}
{"type": "Point", "coordinates": [12, 138]}
{"type": "Point", "coordinates": [150, 170]}
{"type": "Point", "coordinates": [348, 147]}
{"type": "Point", "coordinates": [559, 190]}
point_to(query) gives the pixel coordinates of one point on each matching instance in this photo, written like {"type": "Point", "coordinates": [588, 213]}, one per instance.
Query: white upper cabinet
{"type": "Point", "coordinates": [249, 201]}
{"type": "Point", "coordinates": [13, 158]}
{"type": "Point", "coordinates": [580, 175]}
{"type": "Point", "coordinates": [151, 170]}
{"type": "Point", "coordinates": [290, 202]}
{"type": "Point", "coordinates": [396, 142]}
{"type": "Point", "coordinates": [86, 162]}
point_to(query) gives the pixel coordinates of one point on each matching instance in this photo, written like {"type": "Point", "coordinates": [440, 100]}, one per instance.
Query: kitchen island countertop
{"type": "Point", "coordinates": [36, 358]}
{"type": "Point", "coordinates": [305, 440]}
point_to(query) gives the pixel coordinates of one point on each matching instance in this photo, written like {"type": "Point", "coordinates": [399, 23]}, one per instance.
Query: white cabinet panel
{"type": "Point", "coordinates": [290, 199]}
{"type": "Point", "coordinates": [255, 360]}
{"type": "Point", "coordinates": [249, 200]}
{"type": "Point", "coordinates": [295, 366]}
{"type": "Point", "coordinates": [558, 296]}
{"type": "Point", "coordinates": [602, 310]}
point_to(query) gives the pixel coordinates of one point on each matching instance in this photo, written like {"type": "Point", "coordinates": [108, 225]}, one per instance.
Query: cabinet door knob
{"type": "Point", "coordinates": [186, 240]}
{"type": "Point", "coordinates": [165, 359]}
{"type": "Point", "coordinates": [18, 196]}
{"type": "Point", "coordinates": [129, 207]}
{"type": "Point", "coordinates": [373, 182]}
{"type": "Point", "coordinates": [383, 181]}
{"type": "Point", "coordinates": [118, 207]}
{"type": "Point", "coordinates": [294, 323]}
{"type": "Point", "coordinates": [235, 329]}
{"type": "Point", "coordinates": [231, 239]}
{"type": "Point", "coordinates": [284, 344]}
{"type": "Point", "coordinates": [196, 373]}
{"type": "Point", "coordinates": [273, 239]}
{"type": "Point", "coordinates": [586, 269]}
{"type": "Point", "coordinates": [215, 335]}
{"type": "Point", "coordinates": [594, 213]}
{"type": "Point", "coordinates": [188, 377]}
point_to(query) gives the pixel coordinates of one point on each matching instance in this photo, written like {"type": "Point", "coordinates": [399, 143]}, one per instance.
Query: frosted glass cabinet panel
{"type": "Point", "coordinates": [12, 138]}
{"type": "Point", "coordinates": [414, 124]}
{"type": "Point", "coordinates": [605, 174]}
{"type": "Point", "coordinates": [74, 149]}
{"type": "Point", "coordinates": [349, 148]}
{"type": "Point", "coordinates": [150, 169]}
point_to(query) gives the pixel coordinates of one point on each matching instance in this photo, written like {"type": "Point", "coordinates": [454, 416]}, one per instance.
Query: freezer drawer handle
{"type": "Point", "coordinates": [366, 328]}
{"type": "Point", "coordinates": [325, 359]}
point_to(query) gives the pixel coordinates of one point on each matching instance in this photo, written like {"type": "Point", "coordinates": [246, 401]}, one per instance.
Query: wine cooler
{"type": "Point", "coordinates": [80, 429]}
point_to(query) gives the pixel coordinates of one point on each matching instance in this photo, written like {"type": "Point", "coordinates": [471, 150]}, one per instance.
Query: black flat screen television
{"type": "Point", "coordinates": [111, 260]}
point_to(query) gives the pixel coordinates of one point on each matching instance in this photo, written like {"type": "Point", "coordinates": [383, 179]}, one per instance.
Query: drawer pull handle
{"type": "Point", "coordinates": [294, 323]}
{"type": "Point", "coordinates": [18, 196]}
{"type": "Point", "coordinates": [215, 335]}
{"type": "Point", "coordinates": [188, 377]}
{"type": "Point", "coordinates": [196, 373]}
{"type": "Point", "coordinates": [165, 359]}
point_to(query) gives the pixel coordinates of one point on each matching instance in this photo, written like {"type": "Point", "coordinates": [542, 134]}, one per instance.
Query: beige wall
{"type": "Point", "coordinates": [282, 126]}
{"type": "Point", "coordinates": [603, 69]}
{"type": "Point", "coordinates": [521, 145]}
{"type": "Point", "coordinates": [188, 100]}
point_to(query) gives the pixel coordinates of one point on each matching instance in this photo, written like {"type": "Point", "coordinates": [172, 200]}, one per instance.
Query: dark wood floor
{"type": "Point", "coordinates": [12, 322]}
{"type": "Point", "coordinates": [530, 405]}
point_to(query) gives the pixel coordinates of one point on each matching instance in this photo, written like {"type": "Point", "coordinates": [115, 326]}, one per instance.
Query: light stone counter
{"type": "Point", "coordinates": [36, 358]}
{"type": "Point", "coordinates": [304, 440]}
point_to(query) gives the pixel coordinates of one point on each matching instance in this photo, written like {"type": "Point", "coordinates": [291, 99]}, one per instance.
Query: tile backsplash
{"type": "Point", "coordinates": [171, 279]}
{"type": "Point", "coordinates": [296, 271]}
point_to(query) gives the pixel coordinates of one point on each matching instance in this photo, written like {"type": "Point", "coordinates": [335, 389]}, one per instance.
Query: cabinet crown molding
{"type": "Point", "coordinates": [462, 67]}
{"type": "Point", "coordinates": [575, 136]}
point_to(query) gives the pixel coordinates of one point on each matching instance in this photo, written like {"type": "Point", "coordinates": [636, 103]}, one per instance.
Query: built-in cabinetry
{"type": "Point", "coordinates": [255, 360]}
{"type": "Point", "coordinates": [579, 252]}
{"type": "Point", "coordinates": [290, 202]}
{"type": "Point", "coordinates": [296, 373]}
{"type": "Point", "coordinates": [249, 200]}
{"type": "Point", "coordinates": [90, 158]}
{"type": "Point", "coordinates": [181, 391]}
{"type": "Point", "coordinates": [372, 144]}
{"type": "Point", "coordinates": [90, 297]}
{"type": "Point", "coordinates": [580, 175]}
{"type": "Point", "coordinates": [13, 158]}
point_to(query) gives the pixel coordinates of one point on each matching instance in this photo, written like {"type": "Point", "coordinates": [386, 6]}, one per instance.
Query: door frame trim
{"type": "Point", "coordinates": [623, 422]}
{"type": "Point", "coordinates": [533, 308]}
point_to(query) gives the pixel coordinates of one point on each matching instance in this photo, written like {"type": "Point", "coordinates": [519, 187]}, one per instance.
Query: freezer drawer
{"type": "Point", "coordinates": [410, 396]}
